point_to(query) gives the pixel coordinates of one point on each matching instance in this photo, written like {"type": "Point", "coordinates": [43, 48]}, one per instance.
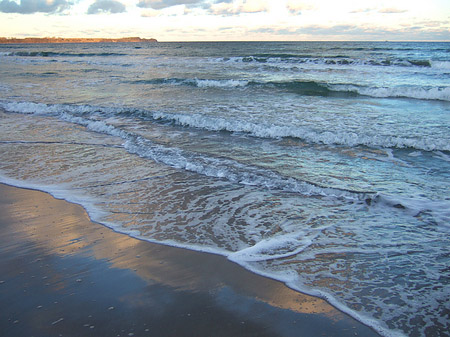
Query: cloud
{"type": "Point", "coordinates": [218, 7]}
{"type": "Point", "coordinates": [276, 31]}
{"type": "Point", "coordinates": [362, 10]}
{"type": "Point", "coordinates": [160, 4]}
{"type": "Point", "coordinates": [416, 31]}
{"type": "Point", "coordinates": [106, 6]}
{"type": "Point", "coordinates": [382, 10]}
{"type": "Point", "coordinates": [34, 6]}
{"type": "Point", "coordinates": [238, 7]}
{"type": "Point", "coordinates": [150, 13]}
{"type": "Point", "coordinates": [322, 31]}
{"type": "Point", "coordinates": [392, 11]}
{"type": "Point", "coordinates": [295, 7]}
{"type": "Point", "coordinates": [432, 24]}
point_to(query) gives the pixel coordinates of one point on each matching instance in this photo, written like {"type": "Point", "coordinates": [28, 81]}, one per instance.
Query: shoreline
{"type": "Point", "coordinates": [64, 274]}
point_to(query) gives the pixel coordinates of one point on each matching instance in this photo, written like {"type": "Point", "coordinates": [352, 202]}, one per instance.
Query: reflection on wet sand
{"type": "Point", "coordinates": [56, 256]}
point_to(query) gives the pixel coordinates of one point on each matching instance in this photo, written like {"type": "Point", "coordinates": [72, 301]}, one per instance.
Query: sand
{"type": "Point", "coordinates": [63, 275]}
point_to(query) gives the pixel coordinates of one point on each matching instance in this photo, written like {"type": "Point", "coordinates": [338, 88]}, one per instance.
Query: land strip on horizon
{"type": "Point", "coordinates": [5, 40]}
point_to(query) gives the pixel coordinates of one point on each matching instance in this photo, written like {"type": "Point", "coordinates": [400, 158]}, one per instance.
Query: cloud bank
{"type": "Point", "coordinates": [34, 6]}
{"type": "Point", "coordinates": [218, 7]}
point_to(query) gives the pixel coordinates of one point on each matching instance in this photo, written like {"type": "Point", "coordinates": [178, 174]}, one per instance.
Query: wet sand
{"type": "Point", "coordinates": [63, 275]}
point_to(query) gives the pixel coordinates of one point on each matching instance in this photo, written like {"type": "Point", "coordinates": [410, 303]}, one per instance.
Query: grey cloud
{"type": "Point", "coordinates": [362, 10]}
{"type": "Point", "coordinates": [106, 6]}
{"type": "Point", "coordinates": [160, 4]}
{"type": "Point", "coordinates": [34, 6]}
{"type": "Point", "coordinates": [200, 4]}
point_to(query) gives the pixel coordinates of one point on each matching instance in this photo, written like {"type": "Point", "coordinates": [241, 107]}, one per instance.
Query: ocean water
{"type": "Point", "coordinates": [325, 165]}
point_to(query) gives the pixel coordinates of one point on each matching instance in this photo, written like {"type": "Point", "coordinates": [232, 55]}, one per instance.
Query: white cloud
{"type": "Point", "coordinates": [150, 13]}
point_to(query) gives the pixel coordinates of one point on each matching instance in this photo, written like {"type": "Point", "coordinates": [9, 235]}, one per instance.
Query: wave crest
{"type": "Point", "coordinates": [311, 88]}
{"type": "Point", "coordinates": [212, 123]}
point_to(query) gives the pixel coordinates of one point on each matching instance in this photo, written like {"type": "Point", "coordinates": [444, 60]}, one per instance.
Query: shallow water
{"type": "Point", "coordinates": [323, 165]}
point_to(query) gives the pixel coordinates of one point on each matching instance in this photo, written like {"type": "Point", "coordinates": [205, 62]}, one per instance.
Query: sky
{"type": "Point", "coordinates": [229, 20]}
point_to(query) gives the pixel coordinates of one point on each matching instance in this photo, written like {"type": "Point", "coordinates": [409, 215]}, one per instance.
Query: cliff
{"type": "Point", "coordinates": [72, 40]}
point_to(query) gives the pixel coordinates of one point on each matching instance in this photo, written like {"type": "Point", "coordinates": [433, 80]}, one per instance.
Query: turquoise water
{"type": "Point", "coordinates": [323, 165]}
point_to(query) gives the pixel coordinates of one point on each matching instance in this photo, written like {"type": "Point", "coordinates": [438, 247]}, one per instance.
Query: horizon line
{"type": "Point", "coordinates": [145, 39]}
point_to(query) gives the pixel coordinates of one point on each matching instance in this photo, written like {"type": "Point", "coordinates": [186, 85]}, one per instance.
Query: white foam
{"type": "Point", "coordinates": [435, 93]}
{"type": "Point", "coordinates": [415, 154]}
{"type": "Point", "coordinates": [444, 65]}
{"type": "Point", "coordinates": [95, 125]}
{"type": "Point", "coordinates": [305, 133]}
{"type": "Point", "coordinates": [272, 248]}
{"type": "Point", "coordinates": [201, 83]}
{"type": "Point", "coordinates": [29, 107]}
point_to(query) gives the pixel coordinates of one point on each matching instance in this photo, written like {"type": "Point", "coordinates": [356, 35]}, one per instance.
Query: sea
{"type": "Point", "coordinates": [324, 165]}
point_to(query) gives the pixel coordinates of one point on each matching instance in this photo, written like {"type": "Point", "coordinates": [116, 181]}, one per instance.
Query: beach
{"type": "Point", "coordinates": [322, 167]}
{"type": "Point", "coordinates": [63, 275]}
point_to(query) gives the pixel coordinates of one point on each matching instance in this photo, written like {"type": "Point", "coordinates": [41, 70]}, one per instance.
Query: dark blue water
{"type": "Point", "coordinates": [323, 165]}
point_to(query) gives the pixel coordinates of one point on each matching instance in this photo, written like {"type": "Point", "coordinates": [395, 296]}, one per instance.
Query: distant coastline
{"type": "Point", "coordinates": [4, 40]}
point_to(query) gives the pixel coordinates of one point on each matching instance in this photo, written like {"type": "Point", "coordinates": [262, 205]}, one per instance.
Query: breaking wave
{"type": "Point", "coordinates": [312, 88]}
{"type": "Point", "coordinates": [212, 123]}
{"type": "Point", "coordinates": [236, 172]}
{"type": "Point", "coordinates": [329, 60]}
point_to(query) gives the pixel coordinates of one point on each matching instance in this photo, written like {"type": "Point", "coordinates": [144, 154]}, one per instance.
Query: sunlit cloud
{"type": "Point", "coordinates": [238, 7]}
{"type": "Point", "coordinates": [392, 11]}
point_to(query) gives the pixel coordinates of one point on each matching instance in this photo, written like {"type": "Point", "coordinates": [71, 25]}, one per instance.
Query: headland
{"type": "Point", "coordinates": [5, 40]}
